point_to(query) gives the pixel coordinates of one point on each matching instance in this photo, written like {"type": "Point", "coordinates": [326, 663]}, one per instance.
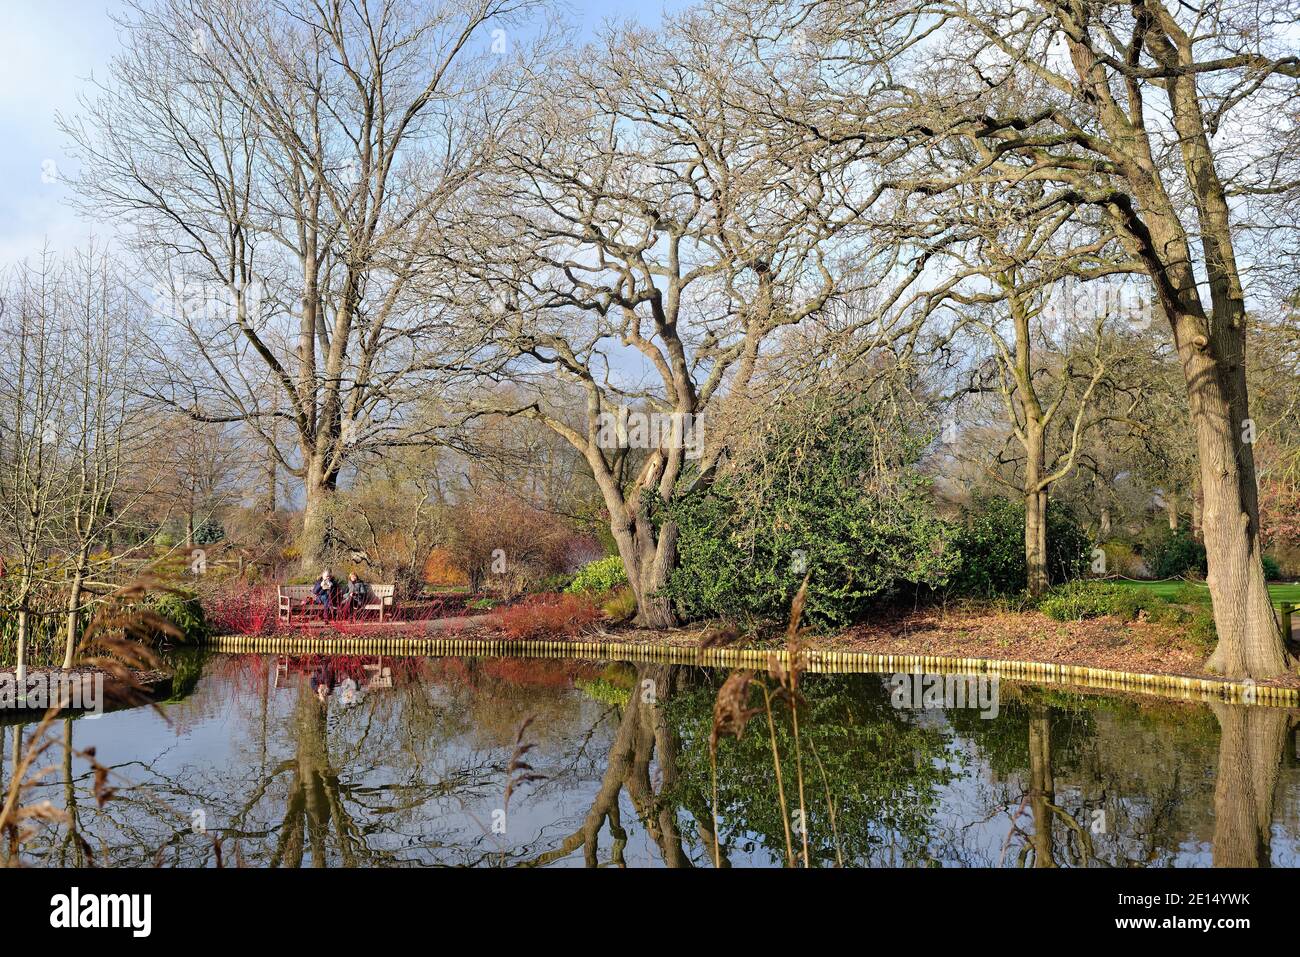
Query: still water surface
{"type": "Point", "coordinates": [407, 763]}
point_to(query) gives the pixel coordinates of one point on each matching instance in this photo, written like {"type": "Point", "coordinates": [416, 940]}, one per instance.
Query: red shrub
{"type": "Point", "coordinates": [548, 616]}
{"type": "Point", "coordinates": [240, 609]}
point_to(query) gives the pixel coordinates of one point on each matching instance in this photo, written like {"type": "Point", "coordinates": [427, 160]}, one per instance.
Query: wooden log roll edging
{"type": "Point", "coordinates": [816, 660]}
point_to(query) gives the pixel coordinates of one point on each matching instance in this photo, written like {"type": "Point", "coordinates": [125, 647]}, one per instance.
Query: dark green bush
{"type": "Point", "coordinates": [555, 583]}
{"type": "Point", "coordinates": [1272, 570]}
{"type": "Point", "coordinates": [1173, 553]}
{"type": "Point", "coordinates": [185, 611]}
{"type": "Point", "coordinates": [833, 496]}
{"type": "Point", "coordinates": [209, 533]}
{"type": "Point", "coordinates": [991, 541]}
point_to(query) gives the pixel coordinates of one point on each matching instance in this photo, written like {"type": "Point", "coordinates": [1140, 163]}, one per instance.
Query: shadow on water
{"type": "Point", "coordinates": [352, 761]}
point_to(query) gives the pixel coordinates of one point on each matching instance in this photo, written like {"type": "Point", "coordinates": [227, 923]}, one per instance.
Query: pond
{"type": "Point", "coordinates": [409, 762]}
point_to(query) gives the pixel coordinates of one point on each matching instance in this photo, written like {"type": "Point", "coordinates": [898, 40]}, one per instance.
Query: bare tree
{"type": "Point", "coordinates": [34, 374]}
{"type": "Point", "coordinates": [282, 161]}
{"type": "Point", "coordinates": [641, 241]}
{"type": "Point", "coordinates": [73, 430]}
{"type": "Point", "coordinates": [106, 429]}
{"type": "Point", "coordinates": [1029, 281]}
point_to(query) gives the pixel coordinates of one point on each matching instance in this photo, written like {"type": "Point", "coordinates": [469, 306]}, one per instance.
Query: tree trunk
{"type": "Point", "coordinates": [1104, 532]}
{"type": "Point", "coordinates": [20, 668]}
{"type": "Point", "coordinates": [649, 560]}
{"type": "Point", "coordinates": [315, 518]}
{"type": "Point", "coordinates": [1249, 635]}
{"type": "Point", "coordinates": [1036, 543]}
{"type": "Point", "coordinates": [1212, 352]}
{"type": "Point", "coordinates": [1171, 511]}
{"type": "Point", "coordinates": [70, 802]}
{"type": "Point", "coordinates": [1251, 744]}
{"type": "Point", "coordinates": [272, 478]}
{"type": "Point", "coordinates": [1035, 514]}
{"type": "Point", "coordinates": [74, 614]}
{"type": "Point", "coordinates": [1034, 438]}
{"type": "Point", "coordinates": [24, 622]}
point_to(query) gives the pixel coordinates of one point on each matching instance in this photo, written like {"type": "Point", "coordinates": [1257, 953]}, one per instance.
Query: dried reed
{"type": "Point", "coordinates": [117, 643]}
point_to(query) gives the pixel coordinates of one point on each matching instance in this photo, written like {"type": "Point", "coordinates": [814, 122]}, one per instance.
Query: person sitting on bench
{"type": "Point", "coordinates": [324, 591]}
{"type": "Point", "coordinates": [354, 594]}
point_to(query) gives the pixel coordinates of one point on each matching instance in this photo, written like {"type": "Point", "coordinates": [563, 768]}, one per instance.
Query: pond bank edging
{"type": "Point", "coordinates": [1169, 686]}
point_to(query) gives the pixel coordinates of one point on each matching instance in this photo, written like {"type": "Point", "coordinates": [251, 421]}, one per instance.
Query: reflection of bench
{"type": "Point", "coordinates": [377, 675]}
{"type": "Point", "coordinates": [299, 599]}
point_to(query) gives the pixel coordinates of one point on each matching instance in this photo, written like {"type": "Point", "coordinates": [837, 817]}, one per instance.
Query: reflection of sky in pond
{"type": "Point", "coordinates": [416, 773]}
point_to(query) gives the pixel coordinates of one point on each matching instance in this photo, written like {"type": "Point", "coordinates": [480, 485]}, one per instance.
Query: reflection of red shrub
{"type": "Point", "coordinates": [486, 674]}
{"type": "Point", "coordinates": [536, 672]}
{"type": "Point", "coordinates": [546, 616]}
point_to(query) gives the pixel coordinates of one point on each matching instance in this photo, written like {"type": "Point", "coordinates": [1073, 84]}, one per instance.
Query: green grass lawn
{"type": "Point", "coordinates": [1279, 593]}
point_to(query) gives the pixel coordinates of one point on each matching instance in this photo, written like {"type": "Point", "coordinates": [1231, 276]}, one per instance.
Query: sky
{"type": "Point", "coordinates": [49, 51]}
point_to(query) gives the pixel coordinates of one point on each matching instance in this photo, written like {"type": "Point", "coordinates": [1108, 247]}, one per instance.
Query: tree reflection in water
{"type": "Point", "coordinates": [413, 773]}
{"type": "Point", "coordinates": [1252, 745]}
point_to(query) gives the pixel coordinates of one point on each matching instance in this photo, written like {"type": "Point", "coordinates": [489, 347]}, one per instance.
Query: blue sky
{"type": "Point", "coordinates": [48, 50]}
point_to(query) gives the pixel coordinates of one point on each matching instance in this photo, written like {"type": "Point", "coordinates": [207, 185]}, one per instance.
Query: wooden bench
{"type": "Point", "coordinates": [300, 599]}
{"type": "Point", "coordinates": [296, 598]}
{"type": "Point", "coordinates": [379, 597]}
